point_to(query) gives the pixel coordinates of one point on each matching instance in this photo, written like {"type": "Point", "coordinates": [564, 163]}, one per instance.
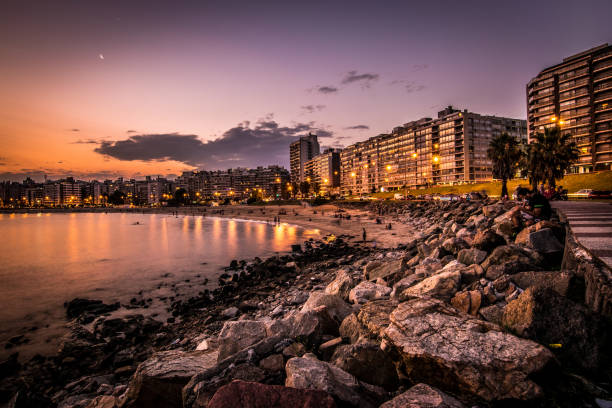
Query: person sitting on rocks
{"type": "Point", "coordinates": [536, 208]}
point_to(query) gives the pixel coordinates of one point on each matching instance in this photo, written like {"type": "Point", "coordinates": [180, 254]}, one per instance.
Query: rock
{"type": "Point", "coordinates": [543, 241]}
{"type": "Point", "coordinates": [513, 259]}
{"type": "Point", "coordinates": [558, 281]}
{"type": "Point", "coordinates": [341, 285]}
{"type": "Point", "coordinates": [468, 301]}
{"type": "Point", "coordinates": [337, 308]}
{"type": "Point", "coordinates": [327, 349]}
{"type": "Point", "coordinates": [274, 362]}
{"type": "Point", "coordinates": [493, 313]}
{"type": "Point", "coordinates": [104, 401]}
{"type": "Point", "coordinates": [471, 274]}
{"type": "Point", "coordinates": [502, 225]}
{"type": "Point", "coordinates": [423, 396]}
{"type": "Point", "coordinates": [373, 317]}
{"type": "Point", "coordinates": [492, 210]}
{"type": "Point", "coordinates": [428, 267]}
{"type": "Point", "coordinates": [203, 386]}
{"type": "Point", "coordinates": [87, 309]}
{"type": "Point", "coordinates": [558, 231]}
{"type": "Point", "coordinates": [242, 394]}
{"type": "Point", "coordinates": [159, 380]}
{"type": "Point", "coordinates": [368, 363]}
{"type": "Point", "coordinates": [351, 328]}
{"type": "Point", "coordinates": [441, 286]}
{"type": "Point", "coordinates": [309, 373]}
{"type": "Point", "coordinates": [366, 291]}
{"type": "Point", "coordinates": [487, 240]}
{"type": "Point", "coordinates": [543, 315]}
{"type": "Point", "coordinates": [471, 256]}
{"type": "Point", "coordinates": [454, 245]}
{"type": "Point", "coordinates": [295, 350]}
{"type": "Point", "coordinates": [405, 283]}
{"type": "Point", "coordinates": [384, 269]}
{"type": "Point", "coordinates": [238, 335]}
{"type": "Point", "coordinates": [230, 312]}
{"type": "Point", "coordinates": [440, 346]}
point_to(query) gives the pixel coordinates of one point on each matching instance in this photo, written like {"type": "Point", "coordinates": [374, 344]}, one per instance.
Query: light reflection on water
{"type": "Point", "coordinates": [47, 260]}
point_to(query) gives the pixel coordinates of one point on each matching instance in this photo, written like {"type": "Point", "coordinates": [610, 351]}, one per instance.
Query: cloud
{"type": "Point", "coordinates": [265, 143]}
{"type": "Point", "coordinates": [75, 130]}
{"type": "Point", "coordinates": [86, 141]}
{"type": "Point", "coordinates": [38, 174]}
{"type": "Point", "coordinates": [364, 79]}
{"type": "Point", "coordinates": [357, 127]}
{"type": "Point", "coordinates": [419, 67]}
{"type": "Point", "coordinates": [131, 131]}
{"type": "Point", "coordinates": [409, 86]}
{"type": "Point", "coordinates": [312, 108]}
{"type": "Point", "coordinates": [327, 89]}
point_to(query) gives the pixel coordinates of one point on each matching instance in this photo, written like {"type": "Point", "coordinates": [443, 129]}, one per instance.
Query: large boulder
{"type": "Point", "coordinates": [543, 241]}
{"type": "Point", "coordinates": [559, 281]}
{"type": "Point", "coordinates": [454, 245]}
{"type": "Point", "coordinates": [513, 259]}
{"type": "Point", "coordinates": [384, 269]}
{"type": "Point", "coordinates": [503, 225]}
{"type": "Point", "coordinates": [441, 286]}
{"type": "Point", "coordinates": [367, 291]}
{"type": "Point", "coordinates": [487, 240]}
{"type": "Point", "coordinates": [159, 380]}
{"type": "Point", "coordinates": [405, 283]}
{"type": "Point", "coordinates": [337, 308]}
{"type": "Point", "coordinates": [423, 396]}
{"type": "Point", "coordinates": [441, 346]}
{"type": "Point", "coordinates": [310, 373]}
{"type": "Point", "coordinates": [367, 362]}
{"type": "Point", "coordinates": [374, 317]}
{"type": "Point", "coordinates": [243, 394]}
{"type": "Point", "coordinates": [468, 301]}
{"type": "Point", "coordinates": [471, 256]}
{"type": "Point", "coordinates": [238, 335]}
{"type": "Point", "coordinates": [582, 338]}
{"type": "Point", "coordinates": [341, 285]}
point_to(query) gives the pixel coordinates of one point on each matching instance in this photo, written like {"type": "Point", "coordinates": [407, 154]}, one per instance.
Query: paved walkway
{"type": "Point", "coordinates": [591, 224]}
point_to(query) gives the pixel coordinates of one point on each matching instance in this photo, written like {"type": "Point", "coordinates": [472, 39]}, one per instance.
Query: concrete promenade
{"type": "Point", "coordinates": [591, 223]}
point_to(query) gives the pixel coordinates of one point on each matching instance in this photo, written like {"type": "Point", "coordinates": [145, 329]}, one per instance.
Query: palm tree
{"type": "Point", "coordinates": [505, 153]}
{"type": "Point", "coordinates": [550, 156]}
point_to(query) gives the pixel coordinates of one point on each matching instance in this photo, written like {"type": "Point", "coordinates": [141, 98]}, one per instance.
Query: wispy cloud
{"type": "Point", "coordinates": [87, 141]}
{"type": "Point", "coordinates": [419, 67]}
{"type": "Point", "coordinates": [409, 86]}
{"type": "Point", "coordinates": [131, 131]}
{"type": "Point", "coordinates": [364, 79]}
{"type": "Point", "coordinates": [74, 130]}
{"type": "Point", "coordinates": [327, 89]}
{"type": "Point", "coordinates": [357, 127]}
{"type": "Point", "coordinates": [312, 108]}
{"type": "Point", "coordinates": [265, 143]}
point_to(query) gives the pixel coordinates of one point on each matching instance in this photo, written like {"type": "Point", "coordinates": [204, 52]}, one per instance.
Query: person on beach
{"type": "Point", "coordinates": [364, 235]}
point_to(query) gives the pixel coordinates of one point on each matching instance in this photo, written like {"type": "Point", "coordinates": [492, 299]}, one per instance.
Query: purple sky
{"type": "Point", "coordinates": [104, 88]}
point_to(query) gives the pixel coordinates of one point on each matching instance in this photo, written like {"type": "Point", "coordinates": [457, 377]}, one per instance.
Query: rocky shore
{"type": "Point", "coordinates": [461, 313]}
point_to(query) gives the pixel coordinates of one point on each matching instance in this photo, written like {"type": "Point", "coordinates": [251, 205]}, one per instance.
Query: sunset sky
{"type": "Point", "coordinates": [98, 89]}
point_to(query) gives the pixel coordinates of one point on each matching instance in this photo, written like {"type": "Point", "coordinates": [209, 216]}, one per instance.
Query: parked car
{"type": "Point", "coordinates": [600, 194]}
{"type": "Point", "coordinates": [398, 196]}
{"type": "Point", "coordinates": [584, 193]}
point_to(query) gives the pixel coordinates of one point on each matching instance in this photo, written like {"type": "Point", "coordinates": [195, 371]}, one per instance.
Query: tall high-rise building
{"type": "Point", "coordinates": [323, 171]}
{"type": "Point", "coordinates": [300, 152]}
{"type": "Point", "coordinates": [450, 149]}
{"type": "Point", "coordinates": [577, 96]}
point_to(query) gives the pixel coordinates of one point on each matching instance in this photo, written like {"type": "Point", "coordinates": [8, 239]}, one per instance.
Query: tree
{"type": "Point", "coordinates": [550, 156]}
{"type": "Point", "coordinates": [304, 188]}
{"type": "Point", "coordinates": [505, 154]}
{"type": "Point", "coordinates": [294, 189]}
{"type": "Point", "coordinates": [316, 188]}
{"type": "Point", "coordinates": [181, 196]}
{"type": "Point", "coordinates": [117, 198]}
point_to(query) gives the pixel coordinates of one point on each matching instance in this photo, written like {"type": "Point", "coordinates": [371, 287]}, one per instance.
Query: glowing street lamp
{"type": "Point", "coordinates": [388, 167]}
{"type": "Point", "coordinates": [436, 159]}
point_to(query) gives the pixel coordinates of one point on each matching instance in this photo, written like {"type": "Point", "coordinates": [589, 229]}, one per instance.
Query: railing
{"type": "Point", "coordinates": [600, 87]}
{"type": "Point", "coordinates": [602, 66]}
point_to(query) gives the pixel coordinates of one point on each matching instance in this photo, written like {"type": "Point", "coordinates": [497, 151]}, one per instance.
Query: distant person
{"type": "Point", "coordinates": [364, 235]}
{"type": "Point", "coordinates": [535, 208]}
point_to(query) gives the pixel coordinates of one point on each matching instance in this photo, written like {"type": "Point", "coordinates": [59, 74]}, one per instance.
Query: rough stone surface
{"type": "Point", "coordinates": [487, 240]}
{"type": "Point", "coordinates": [440, 286]}
{"type": "Point", "coordinates": [512, 258]}
{"type": "Point", "coordinates": [341, 285]}
{"type": "Point", "coordinates": [374, 317]}
{"type": "Point", "coordinates": [367, 291]}
{"type": "Point", "coordinates": [385, 269]}
{"type": "Point", "coordinates": [423, 396]}
{"type": "Point", "coordinates": [309, 373]}
{"type": "Point", "coordinates": [471, 274]}
{"type": "Point", "coordinates": [159, 380]}
{"type": "Point", "coordinates": [443, 347]}
{"type": "Point", "coordinates": [493, 313]}
{"type": "Point", "coordinates": [543, 241]}
{"type": "Point", "coordinates": [367, 362]}
{"type": "Point", "coordinates": [103, 401]}
{"type": "Point", "coordinates": [242, 394]}
{"type": "Point", "coordinates": [471, 256]}
{"type": "Point", "coordinates": [543, 315]}
{"type": "Point", "coordinates": [238, 335]}
{"type": "Point", "coordinates": [467, 301]}
{"type": "Point", "coordinates": [274, 362]}
{"type": "Point", "coordinates": [337, 308]}
{"type": "Point", "coordinates": [558, 281]}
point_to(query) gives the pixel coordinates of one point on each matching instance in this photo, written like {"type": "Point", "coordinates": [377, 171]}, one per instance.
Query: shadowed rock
{"type": "Point", "coordinates": [423, 396]}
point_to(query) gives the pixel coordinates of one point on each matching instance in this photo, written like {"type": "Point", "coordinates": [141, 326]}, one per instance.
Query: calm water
{"type": "Point", "coordinates": [47, 259]}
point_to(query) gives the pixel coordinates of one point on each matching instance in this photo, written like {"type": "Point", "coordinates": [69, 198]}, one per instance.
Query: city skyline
{"type": "Point", "coordinates": [102, 91]}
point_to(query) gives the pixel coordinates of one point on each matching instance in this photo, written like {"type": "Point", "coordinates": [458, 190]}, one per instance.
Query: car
{"type": "Point", "coordinates": [600, 194]}
{"type": "Point", "coordinates": [584, 193]}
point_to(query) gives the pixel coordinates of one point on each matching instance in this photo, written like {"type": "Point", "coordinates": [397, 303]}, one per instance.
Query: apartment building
{"type": "Point", "coordinates": [576, 95]}
{"type": "Point", "coordinates": [323, 172]}
{"type": "Point", "coordinates": [300, 152]}
{"type": "Point", "coordinates": [450, 149]}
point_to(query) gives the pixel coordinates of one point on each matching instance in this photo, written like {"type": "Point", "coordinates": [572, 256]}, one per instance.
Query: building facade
{"type": "Point", "coordinates": [300, 152]}
{"type": "Point", "coordinates": [323, 172]}
{"type": "Point", "coordinates": [450, 149]}
{"type": "Point", "coordinates": [577, 96]}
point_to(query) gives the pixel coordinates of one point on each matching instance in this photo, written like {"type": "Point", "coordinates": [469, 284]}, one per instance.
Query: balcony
{"type": "Point", "coordinates": [601, 87]}
{"type": "Point", "coordinates": [605, 55]}
{"type": "Point", "coordinates": [603, 117]}
{"type": "Point", "coordinates": [569, 85]}
{"type": "Point", "coordinates": [573, 94]}
{"type": "Point", "coordinates": [603, 97]}
{"type": "Point", "coordinates": [603, 76]}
